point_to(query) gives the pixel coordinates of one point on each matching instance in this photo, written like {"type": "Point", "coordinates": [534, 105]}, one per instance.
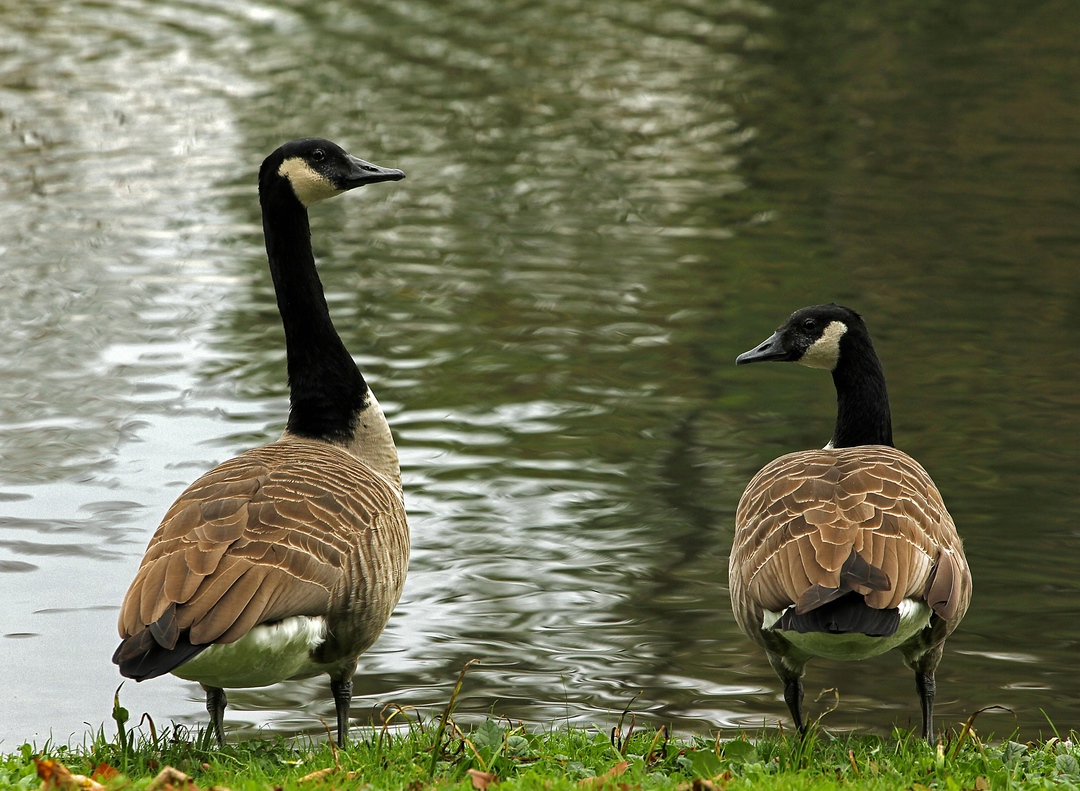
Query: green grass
{"type": "Point", "coordinates": [435, 754]}
{"type": "Point", "coordinates": [409, 753]}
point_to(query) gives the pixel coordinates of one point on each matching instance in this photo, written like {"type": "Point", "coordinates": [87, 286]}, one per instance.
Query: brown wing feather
{"type": "Point", "coordinates": [803, 515]}
{"type": "Point", "coordinates": [267, 535]}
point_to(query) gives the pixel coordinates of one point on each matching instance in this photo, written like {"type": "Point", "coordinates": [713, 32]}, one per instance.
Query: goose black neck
{"type": "Point", "coordinates": [862, 399]}
{"type": "Point", "coordinates": [326, 390]}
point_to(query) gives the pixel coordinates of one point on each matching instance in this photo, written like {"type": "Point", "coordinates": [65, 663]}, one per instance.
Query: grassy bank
{"type": "Point", "coordinates": [437, 754]}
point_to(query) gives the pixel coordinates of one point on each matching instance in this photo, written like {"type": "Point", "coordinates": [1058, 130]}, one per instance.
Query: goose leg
{"type": "Point", "coordinates": [215, 705]}
{"type": "Point", "coordinates": [925, 666]}
{"type": "Point", "coordinates": [342, 691]}
{"type": "Point", "coordinates": [793, 688]}
{"type": "Point", "coordinates": [793, 697]}
{"type": "Point", "coordinates": [927, 687]}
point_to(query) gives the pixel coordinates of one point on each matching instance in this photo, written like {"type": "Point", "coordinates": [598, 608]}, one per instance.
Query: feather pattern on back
{"type": "Point", "coordinates": [285, 529]}
{"type": "Point", "coordinates": [804, 515]}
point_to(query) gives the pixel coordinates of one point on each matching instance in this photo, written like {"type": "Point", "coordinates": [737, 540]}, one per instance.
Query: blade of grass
{"type": "Point", "coordinates": [437, 747]}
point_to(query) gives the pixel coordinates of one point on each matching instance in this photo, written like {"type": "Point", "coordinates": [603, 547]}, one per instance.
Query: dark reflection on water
{"type": "Point", "coordinates": [605, 203]}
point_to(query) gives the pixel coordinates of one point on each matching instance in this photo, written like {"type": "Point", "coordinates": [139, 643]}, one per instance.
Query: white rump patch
{"type": "Point", "coordinates": [825, 351]}
{"type": "Point", "coordinates": [267, 654]}
{"type": "Point", "coordinates": [914, 617]}
{"type": "Point", "coordinates": [309, 185]}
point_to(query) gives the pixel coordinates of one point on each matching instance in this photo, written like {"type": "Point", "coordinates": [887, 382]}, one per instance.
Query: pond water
{"type": "Point", "coordinates": [606, 202]}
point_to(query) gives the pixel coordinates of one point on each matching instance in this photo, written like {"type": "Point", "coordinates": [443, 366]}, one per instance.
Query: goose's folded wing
{"type": "Point", "coordinates": [265, 536]}
{"type": "Point", "coordinates": [805, 515]}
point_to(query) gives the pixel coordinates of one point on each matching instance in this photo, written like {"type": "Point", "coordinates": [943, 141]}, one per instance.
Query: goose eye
{"type": "Point", "coordinates": [809, 324]}
{"type": "Point", "coordinates": [318, 155]}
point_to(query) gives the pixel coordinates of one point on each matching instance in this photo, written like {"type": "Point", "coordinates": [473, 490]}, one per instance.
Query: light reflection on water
{"type": "Point", "coordinates": [604, 205]}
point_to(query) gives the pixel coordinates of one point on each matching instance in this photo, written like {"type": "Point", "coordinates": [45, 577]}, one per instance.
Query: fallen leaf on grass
{"type": "Point", "coordinates": [481, 780]}
{"type": "Point", "coordinates": [104, 772]}
{"type": "Point", "coordinates": [982, 784]}
{"type": "Point", "coordinates": [57, 777]}
{"type": "Point", "coordinates": [322, 774]}
{"type": "Point", "coordinates": [718, 783]}
{"type": "Point", "coordinates": [172, 779]}
{"type": "Point", "coordinates": [318, 774]}
{"type": "Point", "coordinates": [610, 774]}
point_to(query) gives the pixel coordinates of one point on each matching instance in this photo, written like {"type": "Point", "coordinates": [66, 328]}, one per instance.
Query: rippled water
{"type": "Point", "coordinates": [605, 203]}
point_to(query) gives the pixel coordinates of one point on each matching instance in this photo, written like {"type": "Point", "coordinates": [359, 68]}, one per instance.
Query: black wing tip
{"type": "Point", "coordinates": [141, 657]}
{"type": "Point", "coordinates": [848, 614]}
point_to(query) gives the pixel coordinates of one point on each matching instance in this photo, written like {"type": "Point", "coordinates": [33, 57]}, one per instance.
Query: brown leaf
{"type": "Point", "coordinates": [104, 771]}
{"type": "Point", "coordinates": [481, 780]}
{"type": "Point", "coordinates": [318, 774]}
{"type": "Point", "coordinates": [982, 784]}
{"type": "Point", "coordinates": [718, 783]}
{"type": "Point", "coordinates": [610, 774]}
{"type": "Point", "coordinates": [172, 779]}
{"type": "Point", "coordinates": [57, 777]}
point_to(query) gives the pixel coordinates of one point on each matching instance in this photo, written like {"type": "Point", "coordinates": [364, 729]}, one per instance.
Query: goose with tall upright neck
{"type": "Point", "coordinates": [286, 561]}
{"type": "Point", "coordinates": [848, 551]}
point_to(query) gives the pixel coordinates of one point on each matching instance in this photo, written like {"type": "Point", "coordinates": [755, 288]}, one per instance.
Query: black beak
{"type": "Point", "coordinates": [769, 350]}
{"type": "Point", "coordinates": [361, 173]}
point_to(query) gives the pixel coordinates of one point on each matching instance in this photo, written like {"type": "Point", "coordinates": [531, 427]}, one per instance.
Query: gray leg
{"type": "Point", "coordinates": [927, 687]}
{"type": "Point", "coordinates": [215, 704]}
{"type": "Point", "coordinates": [342, 690]}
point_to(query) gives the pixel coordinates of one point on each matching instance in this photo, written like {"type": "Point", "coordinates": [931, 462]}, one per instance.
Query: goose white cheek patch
{"type": "Point", "coordinates": [825, 351]}
{"type": "Point", "coordinates": [309, 185]}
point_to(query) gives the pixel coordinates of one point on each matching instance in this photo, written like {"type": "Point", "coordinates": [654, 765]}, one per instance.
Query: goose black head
{"type": "Point", "coordinates": [317, 169]}
{"type": "Point", "coordinates": [811, 336]}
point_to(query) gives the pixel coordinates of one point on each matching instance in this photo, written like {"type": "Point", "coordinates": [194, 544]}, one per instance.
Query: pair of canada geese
{"type": "Point", "coordinates": [286, 561]}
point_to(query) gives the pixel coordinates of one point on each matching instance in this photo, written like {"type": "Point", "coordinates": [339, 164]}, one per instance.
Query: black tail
{"type": "Point", "coordinates": [141, 656]}
{"type": "Point", "coordinates": [847, 614]}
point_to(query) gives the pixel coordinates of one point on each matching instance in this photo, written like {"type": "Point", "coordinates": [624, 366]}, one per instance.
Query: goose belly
{"type": "Point", "coordinates": [267, 654]}
{"type": "Point", "coordinates": [914, 617]}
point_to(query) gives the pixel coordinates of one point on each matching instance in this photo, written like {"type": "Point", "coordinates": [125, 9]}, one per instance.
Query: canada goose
{"type": "Point", "coordinates": [286, 561]}
{"type": "Point", "coordinates": [848, 551]}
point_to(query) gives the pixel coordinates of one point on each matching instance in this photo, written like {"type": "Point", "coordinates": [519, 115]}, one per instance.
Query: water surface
{"type": "Point", "coordinates": [605, 203]}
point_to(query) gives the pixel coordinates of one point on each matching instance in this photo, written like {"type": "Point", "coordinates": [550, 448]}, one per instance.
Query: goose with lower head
{"type": "Point", "coordinates": [286, 561]}
{"type": "Point", "coordinates": [849, 551]}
